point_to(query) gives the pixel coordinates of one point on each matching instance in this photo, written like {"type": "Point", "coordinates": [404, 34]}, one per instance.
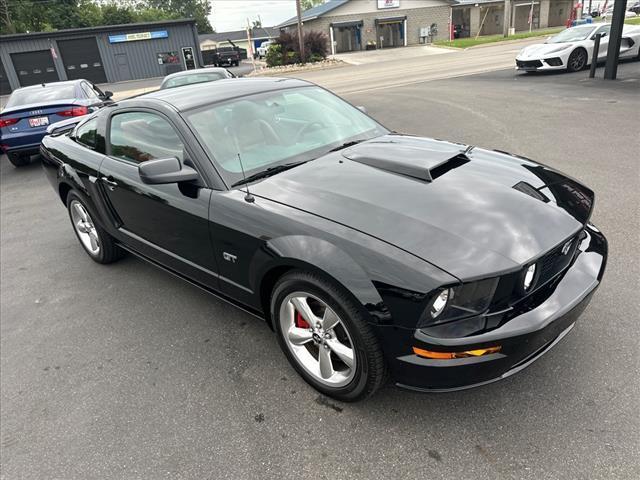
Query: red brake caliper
{"type": "Point", "coordinates": [301, 322]}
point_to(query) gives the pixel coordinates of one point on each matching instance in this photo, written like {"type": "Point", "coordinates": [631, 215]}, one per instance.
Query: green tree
{"type": "Point", "coordinates": [196, 9]}
{"type": "Point", "coordinates": [307, 4]}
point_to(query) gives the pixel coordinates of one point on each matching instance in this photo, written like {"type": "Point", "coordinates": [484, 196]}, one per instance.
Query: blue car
{"type": "Point", "coordinates": [29, 110]}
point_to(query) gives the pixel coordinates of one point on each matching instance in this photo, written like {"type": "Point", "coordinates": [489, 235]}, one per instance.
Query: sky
{"type": "Point", "coordinates": [228, 15]}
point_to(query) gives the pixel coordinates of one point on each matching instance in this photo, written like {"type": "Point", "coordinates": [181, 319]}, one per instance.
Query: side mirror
{"type": "Point", "coordinates": [166, 170]}
{"type": "Point", "coordinates": [361, 108]}
{"type": "Point", "coordinates": [107, 94]}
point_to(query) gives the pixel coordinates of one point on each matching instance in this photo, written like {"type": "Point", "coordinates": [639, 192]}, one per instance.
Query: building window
{"type": "Point", "coordinates": [168, 57]}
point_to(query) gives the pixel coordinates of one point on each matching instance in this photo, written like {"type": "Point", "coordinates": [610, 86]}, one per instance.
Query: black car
{"type": "Point", "coordinates": [368, 252]}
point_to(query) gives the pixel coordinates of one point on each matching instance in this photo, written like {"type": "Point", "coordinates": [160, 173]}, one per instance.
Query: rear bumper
{"type": "Point", "coordinates": [24, 142]}
{"type": "Point", "coordinates": [523, 339]}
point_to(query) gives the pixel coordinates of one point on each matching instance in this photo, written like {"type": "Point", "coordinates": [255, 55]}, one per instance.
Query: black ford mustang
{"type": "Point", "coordinates": [369, 253]}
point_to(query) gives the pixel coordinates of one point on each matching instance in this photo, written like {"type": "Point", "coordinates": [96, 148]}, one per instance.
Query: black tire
{"type": "Point", "coordinates": [19, 159]}
{"type": "Point", "coordinates": [108, 252]}
{"type": "Point", "coordinates": [370, 371]}
{"type": "Point", "coordinates": [577, 60]}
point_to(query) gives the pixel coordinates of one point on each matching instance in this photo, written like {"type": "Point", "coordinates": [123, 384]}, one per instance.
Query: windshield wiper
{"type": "Point", "coordinates": [268, 172]}
{"type": "Point", "coordinates": [345, 145]}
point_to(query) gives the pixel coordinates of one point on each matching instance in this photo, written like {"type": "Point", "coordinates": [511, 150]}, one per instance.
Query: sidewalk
{"type": "Point", "coordinates": [385, 54]}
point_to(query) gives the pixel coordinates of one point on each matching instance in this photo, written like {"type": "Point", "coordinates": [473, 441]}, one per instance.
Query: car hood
{"type": "Point", "coordinates": [541, 49]}
{"type": "Point", "coordinates": [483, 212]}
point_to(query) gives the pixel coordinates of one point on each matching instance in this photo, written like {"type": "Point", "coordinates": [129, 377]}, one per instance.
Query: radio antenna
{"type": "Point", "coordinates": [248, 197]}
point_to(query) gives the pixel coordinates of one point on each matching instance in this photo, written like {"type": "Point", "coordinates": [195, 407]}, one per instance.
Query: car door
{"type": "Point", "coordinates": [167, 223]}
{"type": "Point", "coordinates": [604, 41]}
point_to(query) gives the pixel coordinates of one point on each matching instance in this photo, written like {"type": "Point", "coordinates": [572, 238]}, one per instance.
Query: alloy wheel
{"type": "Point", "coordinates": [577, 60]}
{"type": "Point", "coordinates": [85, 228]}
{"type": "Point", "coordinates": [318, 339]}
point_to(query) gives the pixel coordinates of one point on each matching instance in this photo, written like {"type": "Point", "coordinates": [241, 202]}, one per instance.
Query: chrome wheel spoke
{"type": "Point", "coordinates": [299, 336]}
{"type": "Point", "coordinates": [93, 238]}
{"type": "Point", "coordinates": [343, 352]}
{"type": "Point", "coordinates": [330, 319]}
{"type": "Point", "coordinates": [81, 211]}
{"type": "Point", "coordinates": [326, 365]}
{"type": "Point", "coordinates": [311, 339]}
{"type": "Point", "coordinates": [302, 307]}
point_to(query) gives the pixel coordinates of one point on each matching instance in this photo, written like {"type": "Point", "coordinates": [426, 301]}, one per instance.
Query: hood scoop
{"type": "Point", "coordinates": [421, 159]}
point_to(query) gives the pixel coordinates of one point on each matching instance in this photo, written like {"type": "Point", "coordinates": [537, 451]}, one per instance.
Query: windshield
{"type": "Point", "coordinates": [275, 128]}
{"type": "Point", "coordinates": [41, 94]}
{"type": "Point", "coordinates": [574, 34]}
{"type": "Point", "coordinates": [194, 78]}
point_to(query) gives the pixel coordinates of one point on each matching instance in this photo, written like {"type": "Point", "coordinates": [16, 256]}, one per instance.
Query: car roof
{"type": "Point", "coordinates": [200, 94]}
{"type": "Point", "coordinates": [51, 84]}
{"type": "Point", "coordinates": [183, 73]}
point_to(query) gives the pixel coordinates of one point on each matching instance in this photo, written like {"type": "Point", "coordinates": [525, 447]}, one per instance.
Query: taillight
{"type": "Point", "coordinates": [74, 112]}
{"type": "Point", "coordinates": [5, 122]}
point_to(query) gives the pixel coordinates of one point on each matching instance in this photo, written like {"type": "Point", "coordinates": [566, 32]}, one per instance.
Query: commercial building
{"type": "Point", "coordinates": [103, 54]}
{"type": "Point", "coordinates": [210, 41]}
{"type": "Point", "coordinates": [486, 17]}
{"type": "Point", "coordinates": [355, 25]}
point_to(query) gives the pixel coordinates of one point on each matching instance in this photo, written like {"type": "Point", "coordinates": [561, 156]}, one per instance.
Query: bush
{"type": "Point", "coordinates": [274, 55]}
{"type": "Point", "coordinates": [285, 50]}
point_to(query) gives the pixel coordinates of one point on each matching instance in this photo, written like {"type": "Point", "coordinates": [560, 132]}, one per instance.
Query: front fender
{"type": "Point", "coordinates": [302, 251]}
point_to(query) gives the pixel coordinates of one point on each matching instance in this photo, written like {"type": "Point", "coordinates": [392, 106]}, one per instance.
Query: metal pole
{"type": "Point", "coordinates": [594, 60]}
{"type": "Point", "coordinates": [531, 17]}
{"type": "Point", "coordinates": [615, 38]}
{"type": "Point", "coordinates": [250, 45]}
{"type": "Point", "coordinates": [300, 37]}
{"type": "Point", "coordinates": [506, 22]}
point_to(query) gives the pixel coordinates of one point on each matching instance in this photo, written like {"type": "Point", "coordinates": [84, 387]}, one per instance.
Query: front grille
{"type": "Point", "coordinates": [528, 63]}
{"type": "Point", "coordinates": [509, 295]}
{"type": "Point", "coordinates": [554, 62]}
{"type": "Point", "coordinates": [556, 260]}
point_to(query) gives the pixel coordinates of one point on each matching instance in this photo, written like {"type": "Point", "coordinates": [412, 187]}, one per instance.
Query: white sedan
{"type": "Point", "coordinates": [572, 49]}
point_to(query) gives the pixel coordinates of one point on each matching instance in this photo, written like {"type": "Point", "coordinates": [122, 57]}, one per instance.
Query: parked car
{"type": "Point", "coordinates": [366, 251]}
{"type": "Point", "coordinates": [264, 48]}
{"type": "Point", "coordinates": [572, 49]}
{"type": "Point", "coordinates": [29, 111]}
{"type": "Point", "coordinates": [229, 56]}
{"type": "Point", "coordinates": [635, 8]}
{"type": "Point", "coordinates": [199, 75]}
{"type": "Point", "coordinates": [608, 13]}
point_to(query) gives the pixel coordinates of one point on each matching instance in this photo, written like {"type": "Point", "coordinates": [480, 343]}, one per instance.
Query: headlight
{"type": "Point", "coordinates": [459, 302]}
{"type": "Point", "coordinates": [438, 304]}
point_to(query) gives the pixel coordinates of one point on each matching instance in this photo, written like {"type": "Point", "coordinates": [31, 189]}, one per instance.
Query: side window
{"type": "Point", "coordinates": [604, 30]}
{"type": "Point", "coordinates": [86, 133]}
{"type": "Point", "coordinates": [89, 92]}
{"type": "Point", "coordinates": [142, 136]}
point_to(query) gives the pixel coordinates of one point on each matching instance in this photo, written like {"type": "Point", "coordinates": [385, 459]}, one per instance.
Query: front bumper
{"type": "Point", "coordinates": [523, 339]}
{"type": "Point", "coordinates": [541, 64]}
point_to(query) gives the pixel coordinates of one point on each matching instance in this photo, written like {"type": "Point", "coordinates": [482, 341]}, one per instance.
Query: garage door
{"type": "Point", "coordinates": [81, 59]}
{"type": "Point", "coordinates": [5, 88]}
{"type": "Point", "coordinates": [33, 68]}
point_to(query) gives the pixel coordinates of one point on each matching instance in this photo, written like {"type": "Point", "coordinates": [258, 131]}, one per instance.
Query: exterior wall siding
{"type": "Point", "coordinates": [416, 19]}
{"type": "Point", "coordinates": [141, 54]}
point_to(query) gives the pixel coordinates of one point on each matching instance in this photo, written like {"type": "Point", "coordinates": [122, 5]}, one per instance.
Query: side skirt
{"type": "Point", "coordinates": [210, 291]}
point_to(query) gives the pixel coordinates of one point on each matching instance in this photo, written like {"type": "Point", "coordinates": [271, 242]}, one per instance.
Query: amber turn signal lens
{"type": "Point", "coordinates": [450, 355]}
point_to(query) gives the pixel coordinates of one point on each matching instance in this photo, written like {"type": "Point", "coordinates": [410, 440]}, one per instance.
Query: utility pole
{"type": "Point", "coordinates": [300, 37]}
{"type": "Point", "coordinates": [615, 38]}
{"type": "Point", "coordinates": [506, 23]}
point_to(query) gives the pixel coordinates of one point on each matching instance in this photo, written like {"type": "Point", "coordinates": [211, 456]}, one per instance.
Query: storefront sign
{"type": "Point", "coordinates": [132, 37]}
{"type": "Point", "coordinates": [388, 4]}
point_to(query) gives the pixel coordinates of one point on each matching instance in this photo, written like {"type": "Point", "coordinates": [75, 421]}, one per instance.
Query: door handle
{"type": "Point", "coordinates": [110, 183]}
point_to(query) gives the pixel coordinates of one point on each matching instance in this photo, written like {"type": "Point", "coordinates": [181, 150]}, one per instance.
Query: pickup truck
{"type": "Point", "coordinates": [226, 56]}
{"type": "Point", "coordinates": [264, 48]}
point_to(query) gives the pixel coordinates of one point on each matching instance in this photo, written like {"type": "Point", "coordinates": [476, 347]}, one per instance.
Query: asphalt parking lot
{"type": "Point", "coordinates": [125, 372]}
